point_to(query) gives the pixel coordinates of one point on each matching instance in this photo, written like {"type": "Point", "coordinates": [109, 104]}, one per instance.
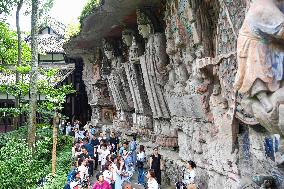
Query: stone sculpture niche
{"type": "Point", "coordinates": [178, 73]}
{"type": "Point", "coordinates": [260, 76]}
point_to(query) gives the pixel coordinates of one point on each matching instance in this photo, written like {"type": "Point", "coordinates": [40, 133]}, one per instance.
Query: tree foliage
{"type": "Point", "coordinates": [54, 96]}
{"type": "Point", "coordinates": [9, 47]}
{"type": "Point", "coordinates": [88, 9]}
{"type": "Point", "coordinates": [72, 30]}
{"type": "Point", "coordinates": [6, 6]}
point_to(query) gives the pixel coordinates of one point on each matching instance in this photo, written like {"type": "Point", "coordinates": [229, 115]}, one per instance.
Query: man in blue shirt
{"type": "Point", "coordinates": [90, 150]}
{"type": "Point", "coordinates": [123, 147]}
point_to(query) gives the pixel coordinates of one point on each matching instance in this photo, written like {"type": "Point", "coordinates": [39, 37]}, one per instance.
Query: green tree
{"type": "Point", "coordinates": [33, 75]}
{"type": "Point", "coordinates": [9, 48]}
{"type": "Point", "coordinates": [9, 58]}
{"type": "Point", "coordinates": [55, 98]}
{"type": "Point", "coordinates": [6, 6]}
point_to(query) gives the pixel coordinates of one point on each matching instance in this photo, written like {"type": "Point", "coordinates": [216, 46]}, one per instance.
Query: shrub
{"type": "Point", "coordinates": [63, 165]}
{"type": "Point", "coordinates": [20, 168]}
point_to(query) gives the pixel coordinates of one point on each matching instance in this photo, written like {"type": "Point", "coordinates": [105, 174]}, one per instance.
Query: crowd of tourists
{"type": "Point", "coordinates": [112, 160]}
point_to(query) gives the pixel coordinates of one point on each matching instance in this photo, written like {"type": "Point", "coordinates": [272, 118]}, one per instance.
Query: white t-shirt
{"type": "Point", "coordinates": [68, 129]}
{"type": "Point", "coordinates": [141, 156]}
{"type": "Point", "coordinates": [153, 184]}
{"type": "Point", "coordinates": [113, 165]}
{"type": "Point", "coordinates": [107, 175]}
{"type": "Point", "coordinates": [83, 171]}
{"type": "Point", "coordinates": [189, 176]}
{"type": "Point", "coordinates": [81, 134]}
{"type": "Point", "coordinates": [74, 183]}
{"type": "Point", "coordinates": [104, 154]}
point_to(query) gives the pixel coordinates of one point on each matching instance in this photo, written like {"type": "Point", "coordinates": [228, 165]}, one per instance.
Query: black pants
{"type": "Point", "coordinates": [158, 175]}
{"type": "Point", "coordinates": [96, 163]}
{"type": "Point", "coordinates": [91, 168]}
{"type": "Point", "coordinates": [112, 185]}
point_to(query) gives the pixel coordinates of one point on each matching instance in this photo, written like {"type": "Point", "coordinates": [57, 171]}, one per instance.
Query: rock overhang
{"type": "Point", "coordinates": [106, 21]}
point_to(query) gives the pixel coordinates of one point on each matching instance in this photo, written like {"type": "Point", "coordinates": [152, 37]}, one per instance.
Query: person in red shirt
{"type": "Point", "coordinates": [101, 183]}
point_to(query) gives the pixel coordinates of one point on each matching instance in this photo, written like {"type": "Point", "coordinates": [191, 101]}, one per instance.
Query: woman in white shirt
{"type": "Point", "coordinates": [83, 169]}
{"type": "Point", "coordinates": [108, 174]}
{"type": "Point", "coordinates": [152, 182]}
{"type": "Point", "coordinates": [140, 164]}
{"type": "Point", "coordinates": [189, 175]}
{"type": "Point", "coordinates": [103, 153]}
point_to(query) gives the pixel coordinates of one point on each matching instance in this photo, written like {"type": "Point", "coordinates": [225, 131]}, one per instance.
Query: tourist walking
{"type": "Point", "coordinates": [189, 175]}
{"type": "Point", "coordinates": [123, 147]}
{"type": "Point", "coordinates": [152, 182]}
{"type": "Point", "coordinates": [85, 155]}
{"type": "Point", "coordinates": [95, 141]}
{"type": "Point", "coordinates": [103, 153]}
{"type": "Point", "coordinates": [68, 129]}
{"type": "Point", "coordinates": [114, 141]}
{"type": "Point", "coordinates": [108, 174]}
{"type": "Point", "coordinates": [121, 173]}
{"type": "Point", "coordinates": [157, 164]}
{"type": "Point", "coordinates": [133, 146]}
{"type": "Point", "coordinates": [128, 163]}
{"type": "Point", "coordinates": [101, 182]}
{"type": "Point", "coordinates": [141, 158]}
{"type": "Point", "coordinates": [90, 150]}
{"type": "Point", "coordinates": [83, 169]}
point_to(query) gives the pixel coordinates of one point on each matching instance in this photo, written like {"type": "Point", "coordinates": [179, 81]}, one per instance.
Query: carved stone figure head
{"type": "Point", "coordinates": [108, 50]}
{"type": "Point", "coordinates": [216, 89]}
{"type": "Point", "coordinates": [127, 36]}
{"type": "Point", "coordinates": [134, 52]}
{"type": "Point", "coordinates": [145, 26]}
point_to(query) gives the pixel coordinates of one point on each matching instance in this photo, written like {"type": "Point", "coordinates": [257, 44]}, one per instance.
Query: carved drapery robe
{"type": "Point", "coordinates": [153, 65]}
{"type": "Point", "coordinates": [118, 94]}
{"type": "Point", "coordinates": [260, 58]}
{"type": "Point", "coordinates": [137, 89]}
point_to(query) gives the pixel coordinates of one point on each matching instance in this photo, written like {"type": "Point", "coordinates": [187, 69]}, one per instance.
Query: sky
{"type": "Point", "coordinates": [65, 11]}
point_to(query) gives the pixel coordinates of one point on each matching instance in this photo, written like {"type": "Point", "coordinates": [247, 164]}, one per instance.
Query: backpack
{"type": "Point", "coordinates": [67, 186]}
{"type": "Point", "coordinates": [71, 175]}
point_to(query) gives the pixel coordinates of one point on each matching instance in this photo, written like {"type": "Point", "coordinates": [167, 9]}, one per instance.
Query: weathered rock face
{"type": "Point", "coordinates": [172, 80]}
{"type": "Point", "coordinates": [97, 90]}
